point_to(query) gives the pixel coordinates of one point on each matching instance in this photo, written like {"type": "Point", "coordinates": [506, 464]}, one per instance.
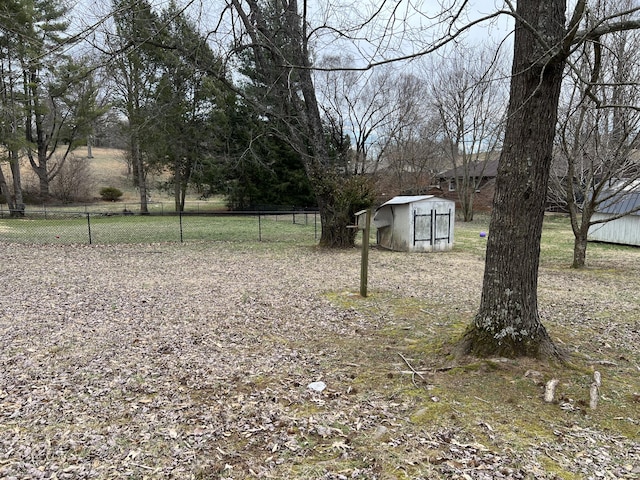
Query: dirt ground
{"type": "Point", "coordinates": [194, 361]}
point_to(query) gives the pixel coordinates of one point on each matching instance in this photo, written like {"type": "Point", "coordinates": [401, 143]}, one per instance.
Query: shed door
{"type": "Point", "coordinates": [431, 226]}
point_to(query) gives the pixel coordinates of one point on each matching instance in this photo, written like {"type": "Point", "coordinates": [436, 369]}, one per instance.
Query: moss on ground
{"type": "Point", "coordinates": [496, 400]}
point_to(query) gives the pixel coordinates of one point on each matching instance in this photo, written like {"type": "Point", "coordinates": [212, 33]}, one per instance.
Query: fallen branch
{"type": "Point", "coordinates": [424, 372]}
{"type": "Point", "coordinates": [606, 363]}
{"type": "Point", "coordinates": [139, 465]}
{"type": "Point", "coordinates": [413, 370]}
{"type": "Point", "coordinates": [550, 390]}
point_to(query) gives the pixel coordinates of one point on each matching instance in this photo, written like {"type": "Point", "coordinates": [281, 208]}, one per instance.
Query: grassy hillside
{"type": "Point", "coordinates": [108, 168]}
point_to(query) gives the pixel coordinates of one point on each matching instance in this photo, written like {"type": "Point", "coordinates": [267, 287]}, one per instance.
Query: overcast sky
{"type": "Point", "coordinates": [412, 22]}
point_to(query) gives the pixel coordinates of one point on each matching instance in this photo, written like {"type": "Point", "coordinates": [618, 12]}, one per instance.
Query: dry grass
{"type": "Point", "coordinates": [192, 361]}
{"type": "Point", "coordinates": [108, 169]}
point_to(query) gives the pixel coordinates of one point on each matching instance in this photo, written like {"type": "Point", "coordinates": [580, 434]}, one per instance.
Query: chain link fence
{"type": "Point", "coordinates": [78, 227]}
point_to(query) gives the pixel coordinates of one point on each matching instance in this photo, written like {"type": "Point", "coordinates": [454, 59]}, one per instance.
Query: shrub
{"type": "Point", "coordinates": [110, 194]}
{"type": "Point", "coordinates": [74, 180]}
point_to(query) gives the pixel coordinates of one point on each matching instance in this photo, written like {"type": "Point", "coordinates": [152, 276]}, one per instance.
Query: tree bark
{"type": "Point", "coordinates": [18, 199]}
{"type": "Point", "coordinates": [579, 251]}
{"type": "Point", "coordinates": [508, 322]}
{"type": "Point", "coordinates": [466, 200]}
{"type": "Point", "coordinates": [335, 232]}
{"type": "Point", "coordinates": [141, 176]}
{"type": "Point", "coordinates": [334, 192]}
{"type": "Point", "coordinates": [6, 193]}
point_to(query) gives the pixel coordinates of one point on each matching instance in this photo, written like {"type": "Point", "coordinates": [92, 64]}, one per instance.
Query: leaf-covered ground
{"type": "Point", "coordinates": [193, 361]}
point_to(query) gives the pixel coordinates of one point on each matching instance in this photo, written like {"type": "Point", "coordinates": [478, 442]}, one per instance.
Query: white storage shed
{"type": "Point", "coordinates": [420, 223]}
{"type": "Point", "coordinates": [624, 230]}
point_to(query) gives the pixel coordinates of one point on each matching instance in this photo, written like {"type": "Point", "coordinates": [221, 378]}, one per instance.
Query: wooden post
{"type": "Point", "coordinates": [364, 264]}
{"type": "Point", "coordinates": [550, 390]}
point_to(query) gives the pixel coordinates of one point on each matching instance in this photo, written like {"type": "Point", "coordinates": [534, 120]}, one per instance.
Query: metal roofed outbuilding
{"type": "Point", "coordinates": [415, 223]}
{"type": "Point", "coordinates": [624, 230]}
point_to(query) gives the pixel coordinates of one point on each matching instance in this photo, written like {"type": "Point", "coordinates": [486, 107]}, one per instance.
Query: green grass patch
{"type": "Point", "coordinates": [99, 229]}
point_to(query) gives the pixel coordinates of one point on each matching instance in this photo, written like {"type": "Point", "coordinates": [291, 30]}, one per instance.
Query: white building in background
{"type": "Point", "coordinates": [420, 223]}
{"type": "Point", "coordinates": [624, 230]}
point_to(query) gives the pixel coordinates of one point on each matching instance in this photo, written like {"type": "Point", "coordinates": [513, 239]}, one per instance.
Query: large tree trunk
{"type": "Point", "coordinates": [42, 172]}
{"type": "Point", "coordinates": [339, 197]}
{"type": "Point", "coordinates": [335, 228]}
{"type": "Point", "coordinates": [35, 132]}
{"type": "Point", "coordinates": [18, 199]}
{"type": "Point", "coordinates": [6, 193]}
{"type": "Point", "coordinates": [339, 193]}
{"type": "Point", "coordinates": [579, 250]}
{"type": "Point", "coordinates": [508, 323]}
{"type": "Point", "coordinates": [140, 174]}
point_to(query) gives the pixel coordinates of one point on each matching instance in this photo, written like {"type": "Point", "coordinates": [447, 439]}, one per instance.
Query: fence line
{"type": "Point", "coordinates": [77, 227]}
{"type": "Point", "coordinates": [154, 208]}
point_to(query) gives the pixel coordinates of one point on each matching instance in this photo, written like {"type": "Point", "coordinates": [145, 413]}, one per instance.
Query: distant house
{"type": "Point", "coordinates": [415, 223]}
{"type": "Point", "coordinates": [483, 175]}
{"type": "Point", "coordinates": [392, 182]}
{"type": "Point", "coordinates": [624, 230]}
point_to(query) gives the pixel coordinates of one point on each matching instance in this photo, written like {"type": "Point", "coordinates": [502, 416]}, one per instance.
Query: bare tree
{"type": "Point", "coordinates": [413, 158]}
{"type": "Point", "coordinates": [381, 113]}
{"type": "Point", "coordinates": [468, 91]}
{"type": "Point", "coordinates": [59, 96]}
{"type": "Point", "coordinates": [373, 108]}
{"type": "Point", "coordinates": [599, 129]}
{"type": "Point", "coordinates": [74, 181]}
{"type": "Point", "coordinates": [508, 322]}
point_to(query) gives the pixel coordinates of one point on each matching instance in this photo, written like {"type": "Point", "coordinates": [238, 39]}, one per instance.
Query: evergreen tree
{"type": "Point", "coordinates": [47, 95]}
{"type": "Point", "coordinates": [187, 103]}
{"type": "Point", "coordinates": [278, 64]}
{"type": "Point", "coordinates": [12, 14]}
{"type": "Point", "coordinates": [134, 77]}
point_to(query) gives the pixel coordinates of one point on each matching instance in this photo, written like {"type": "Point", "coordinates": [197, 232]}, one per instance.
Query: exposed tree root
{"type": "Point", "coordinates": [482, 343]}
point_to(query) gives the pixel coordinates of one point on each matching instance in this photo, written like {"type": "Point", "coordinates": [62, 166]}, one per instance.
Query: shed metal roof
{"type": "Point", "coordinates": [404, 199]}
{"type": "Point", "coordinates": [622, 203]}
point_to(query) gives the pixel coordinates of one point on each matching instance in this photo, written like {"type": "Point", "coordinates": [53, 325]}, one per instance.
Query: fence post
{"type": "Point", "coordinates": [259, 227]}
{"type": "Point", "coordinates": [364, 263]}
{"type": "Point", "coordinates": [89, 226]}
{"type": "Point", "coordinates": [180, 215]}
